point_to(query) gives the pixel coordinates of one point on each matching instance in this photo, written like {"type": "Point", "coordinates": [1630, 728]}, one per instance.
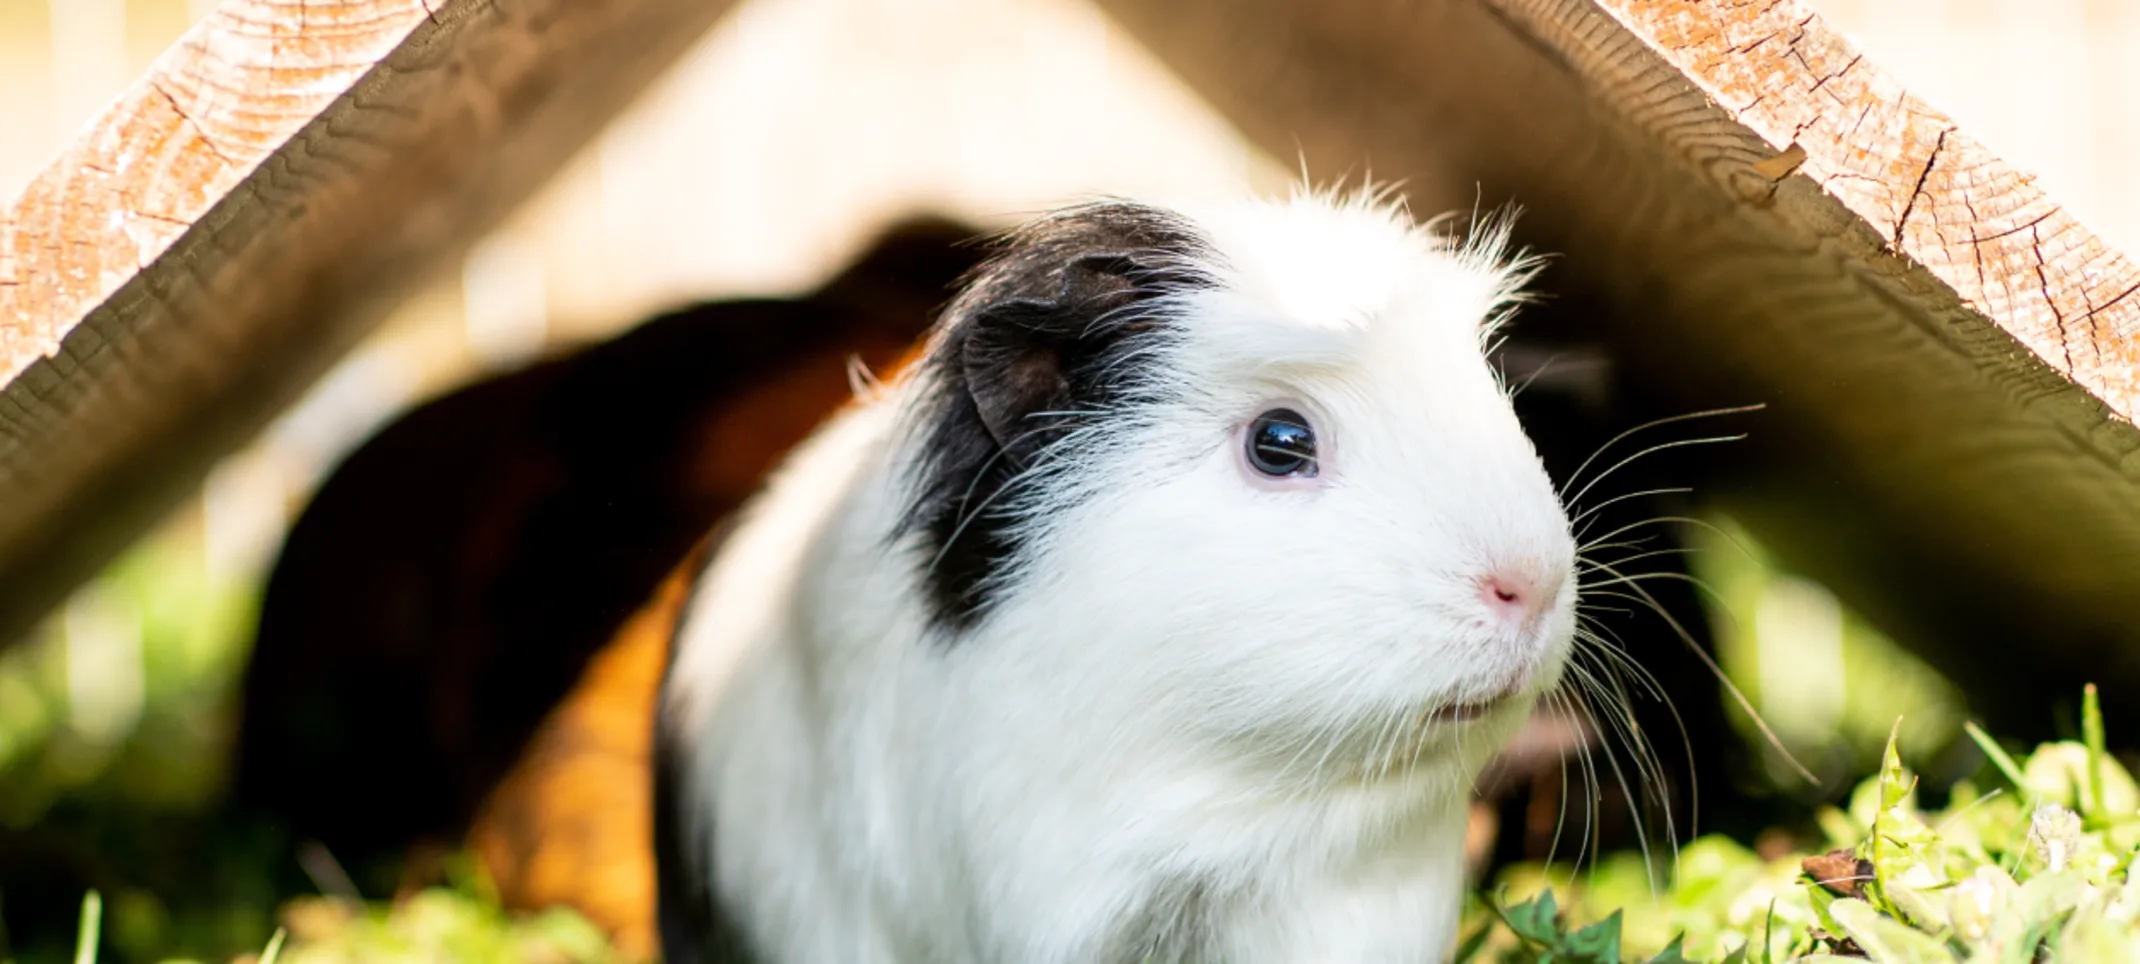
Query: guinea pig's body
{"type": "Point", "coordinates": [1164, 610]}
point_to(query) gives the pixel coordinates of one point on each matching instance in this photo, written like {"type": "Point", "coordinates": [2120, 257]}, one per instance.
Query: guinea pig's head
{"type": "Point", "coordinates": [1242, 478]}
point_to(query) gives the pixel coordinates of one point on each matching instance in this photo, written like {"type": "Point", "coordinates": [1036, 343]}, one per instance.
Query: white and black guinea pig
{"type": "Point", "coordinates": [1163, 610]}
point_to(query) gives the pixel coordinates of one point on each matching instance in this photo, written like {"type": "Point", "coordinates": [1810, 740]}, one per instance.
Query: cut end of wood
{"type": "Point", "coordinates": [1936, 195]}
{"type": "Point", "coordinates": [238, 86]}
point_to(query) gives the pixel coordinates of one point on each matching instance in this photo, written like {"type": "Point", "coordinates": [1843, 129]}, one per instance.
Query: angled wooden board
{"type": "Point", "coordinates": [1761, 214]}
{"type": "Point", "coordinates": [246, 211]}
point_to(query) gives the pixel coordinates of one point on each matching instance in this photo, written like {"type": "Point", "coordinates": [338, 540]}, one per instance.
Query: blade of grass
{"type": "Point", "coordinates": [1472, 945]}
{"type": "Point", "coordinates": [2092, 734]}
{"type": "Point", "coordinates": [274, 947]}
{"type": "Point", "coordinates": [1999, 758]}
{"type": "Point", "coordinates": [85, 942]}
{"type": "Point", "coordinates": [1768, 935]}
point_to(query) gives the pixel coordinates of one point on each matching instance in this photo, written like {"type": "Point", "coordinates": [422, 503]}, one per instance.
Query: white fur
{"type": "Point", "coordinates": [1200, 719]}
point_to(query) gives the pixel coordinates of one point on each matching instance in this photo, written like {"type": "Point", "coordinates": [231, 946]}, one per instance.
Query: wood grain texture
{"type": "Point", "coordinates": [245, 211]}
{"type": "Point", "coordinates": [1748, 210]}
{"type": "Point", "coordinates": [1933, 193]}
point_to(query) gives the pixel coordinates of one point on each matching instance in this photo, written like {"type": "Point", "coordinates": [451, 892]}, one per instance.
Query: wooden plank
{"type": "Point", "coordinates": [1764, 215]}
{"type": "Point", "coordinates": [245, 212]}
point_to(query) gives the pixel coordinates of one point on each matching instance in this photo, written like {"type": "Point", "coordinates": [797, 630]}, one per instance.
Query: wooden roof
{"type": "Point", "coordinates": [245, 212]}
{"type": "Point", "coordinates": [1759, 213]}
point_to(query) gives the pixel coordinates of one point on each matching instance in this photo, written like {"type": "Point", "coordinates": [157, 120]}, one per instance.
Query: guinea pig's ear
{"type": "Point", "coordinates": [1020, 356]}
{"type": "Point", "coordinates": [1048, 331]}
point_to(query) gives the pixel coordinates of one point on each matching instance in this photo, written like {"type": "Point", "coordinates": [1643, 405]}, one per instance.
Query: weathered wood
{"type": "Point", "coordinates": [1765, 216]}
{"type": "Point", "coordinates": [245, 211]}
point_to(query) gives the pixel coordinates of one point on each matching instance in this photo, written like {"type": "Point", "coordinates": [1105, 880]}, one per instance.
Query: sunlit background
{"type": "Point", "coordinates": [795, 129]}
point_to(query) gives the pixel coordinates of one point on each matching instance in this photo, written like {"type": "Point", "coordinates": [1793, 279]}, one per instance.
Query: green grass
{"type": "Point", "coordinates": [2036, 869]}
{"type": "Point", "coordinates": [444, 924]}
{"type": "Point", "coordinates": [91, 931]}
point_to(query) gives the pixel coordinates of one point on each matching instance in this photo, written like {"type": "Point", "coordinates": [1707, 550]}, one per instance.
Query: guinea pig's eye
{"type": "Point", "coordinates": [1281, 444]}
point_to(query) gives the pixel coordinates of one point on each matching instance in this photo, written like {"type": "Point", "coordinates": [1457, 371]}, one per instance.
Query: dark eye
{"type": "Point", "coordinates": [1281, 444]}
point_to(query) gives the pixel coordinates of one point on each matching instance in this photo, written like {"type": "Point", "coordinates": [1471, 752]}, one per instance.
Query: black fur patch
{"type": "Point", "coordinates": [1049, 328]}
{"type": "Point", "coordinates": [695, 927]}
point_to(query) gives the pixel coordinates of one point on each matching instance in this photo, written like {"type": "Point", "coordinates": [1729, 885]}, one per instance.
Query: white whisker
{"type": "Point", "coordinates": [1586, 513]}
{"type": "Point", "coordinates": [1617, 439]}
{"type": "Point", "coordinates": [1737, 695]}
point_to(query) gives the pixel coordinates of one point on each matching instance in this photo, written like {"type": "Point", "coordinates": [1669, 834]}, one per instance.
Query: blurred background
{"type": "Point", "coordinates": [986, 110]}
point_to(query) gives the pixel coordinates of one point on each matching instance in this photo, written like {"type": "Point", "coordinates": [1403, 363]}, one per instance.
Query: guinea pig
{"type": "Point", "coordinates": [1164, 609]}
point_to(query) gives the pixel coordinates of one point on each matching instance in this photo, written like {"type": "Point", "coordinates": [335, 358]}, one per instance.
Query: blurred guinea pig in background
{"type": "Point", "coordinates": [441, 656]}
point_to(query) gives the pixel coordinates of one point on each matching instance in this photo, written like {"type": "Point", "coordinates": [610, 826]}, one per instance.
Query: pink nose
{"type": "Point", "coordinates": [1515, 595]}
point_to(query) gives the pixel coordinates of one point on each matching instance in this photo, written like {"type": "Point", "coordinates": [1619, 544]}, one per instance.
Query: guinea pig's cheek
{"type": "Point", "coordinates": [1555, 648]}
